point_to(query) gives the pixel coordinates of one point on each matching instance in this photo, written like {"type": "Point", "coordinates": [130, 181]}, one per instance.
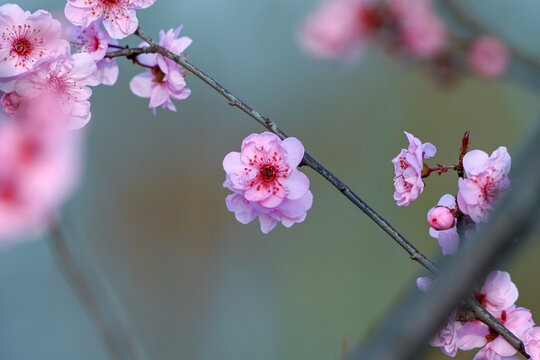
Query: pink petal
{"type": "Point", "coordinates": [297, 184]}
{"type": "Point", "coordinates": [295, 151]}
{"type": "Point", "coordinates": [475, 162]}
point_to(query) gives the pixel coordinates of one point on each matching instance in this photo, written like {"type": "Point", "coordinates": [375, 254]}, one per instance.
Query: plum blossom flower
{"type": "Point", "coordinates": [265, 169]}
{"type": "Point", "coordinates": [448, 238]}
{"type": "Point", "coordinates": [421, 32]}
{"type": "Point", "coordinates": [487, 178]}
{"type": "Point", "coordinates": [447, 337]}
{"type": "Point", "coordinates": [26, 40]}
{"type": "Point", "coordinates": [488, 57]}
{"type": "Point", "coordinates": [518, 321]}
{"type": "Point", "coordinates": [408, 167]}
{"type": "Point", "coordinates": [341, 29]}
{"type": "Point", "coordinates": [66, 79]}
{"type": "Point", "coordinates": [95, 41]}
{"type": "Point", "coordinates": [531, 339]}
{"type": "Point", "coordinates": [39, 167]}
{"type": "Point", "coordinates": [118, 16]}
{"type": "Point", "coordinates": [498, 293]}
{"type": "Point", "coordinates": [288, 212]}
{"type": "Point", "coordinates": [165, 79]}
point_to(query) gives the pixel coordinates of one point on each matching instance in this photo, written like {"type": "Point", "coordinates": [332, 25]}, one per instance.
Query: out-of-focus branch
{"type": "Point", "coordinates": [117, 339]}
{"type": "Point", "coordinates": [310, 161]}
{"type": "Point", "coordinates": [418, 316]}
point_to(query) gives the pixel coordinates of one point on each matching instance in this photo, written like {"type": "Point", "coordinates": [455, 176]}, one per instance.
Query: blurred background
{"type": "Point", "coordinates": [195, 284]}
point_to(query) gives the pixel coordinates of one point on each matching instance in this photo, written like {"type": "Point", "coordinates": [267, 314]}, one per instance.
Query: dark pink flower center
{"type": "Point", "coordinates": [158, 74]}
{"type": "Point", "coordinates": [270, 171]}
{"type": "Point", "coordinates": [22, 46]}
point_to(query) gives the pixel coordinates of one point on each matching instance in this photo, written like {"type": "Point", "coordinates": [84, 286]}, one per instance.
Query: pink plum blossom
{"type": "Point", "coordinates": [447, 337]}
{"type": "Point", "coordinates": [531, 339]}
{"type": "Point", "coordinates": [420, 30]}
{"type": "Point", "coordinates": [165, 79]}
{"type": "Point", "coordinates": [488, 57]}
{"type": "Point", "coordinates": [340, 29]}
{"type": "Point", "coordinates": [118, 16]}
{"type": "Point", "coordinates": [518, 321]}
{"type": "Point", "coordinates": [288, 211]}
{"type": "Point", "coordinates": [265, 170]}
{"type": "Point", "coordinates": [408, 167]}
{"type": "Point", "coordinates": [66, 79]}
{"type": "Point", "coordinates": [26, 40]}
{"type": "Point", "coordinates": [441, 217]}
{"type": "Point", "coordinates": [95, 41]}
{"type": "Point", "coordinates": [498, 293]}
{"type": "Point", "coordinates": [487, 178]}
{"type": "Point", "coordinates": [39, 167]}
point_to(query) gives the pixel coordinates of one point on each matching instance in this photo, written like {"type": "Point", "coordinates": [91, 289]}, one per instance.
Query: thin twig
{"type": "Point", "coordinates": [308, 160]}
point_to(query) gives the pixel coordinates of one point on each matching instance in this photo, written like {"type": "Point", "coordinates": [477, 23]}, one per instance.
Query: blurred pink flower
{"type": "Point", "coordinates": [288, 211]}
{"type": "Point", "coordinates": [447, 337]}
{"type": "Point", "coordinates": [118, 16]}
{"type": "Point", "coordinates": [487, 178]}
{"type": "Point", "coordinates": [424, 283]}
{"type": "Point", "coordinates": [421, 32]}
{"type": "Point", "coordinates": [340, 29]}
{"type": "Point", "coordinates": [10, 103]}
{"type": "Point", "coordinates": [488, 57]}
{"type": "Point", "coordinates": [265, 170]}
{"type": "Point", "coordinates": [39, 167]}
{"type": "Point", "coordinates": [408, 167]}
{"type": "Point", "coordinates": [165, 79]}
{"type": "Point", "coordinates": [518, 321]}
{"type": "Point", "coordinates": [448, 238]}
{"type": "Point", "coordinates": [66, 79]}
{"type": "Point", "coordinates": [531, 339]}
{"type": "Point", "coordinates": [26, 40]}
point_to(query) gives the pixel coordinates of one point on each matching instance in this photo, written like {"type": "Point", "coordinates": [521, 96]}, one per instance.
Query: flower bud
{"type": "Point", "coordinates": [441, 218]}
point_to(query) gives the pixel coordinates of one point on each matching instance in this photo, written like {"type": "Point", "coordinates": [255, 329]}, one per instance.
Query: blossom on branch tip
{"type": "Point", "coordinates": [488, 57]}
{"type": "Point", "coordinates": [118, 16]}
{"type": "Point", "coordinates": [165, 79]}
{"type": "Point", "coordinates": [498, 293]}
{"type": "Point", "coordinates": [408, 167]}
{"type": "Point", "coordinates": [487, 179]}
{"type": "Point", "coordinates": [265, 181]}
{"type": "Point", "coordinates": [26, 40]}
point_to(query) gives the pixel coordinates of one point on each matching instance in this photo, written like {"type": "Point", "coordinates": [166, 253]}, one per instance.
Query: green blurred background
{"type": "Point", "coordinates": [150, 213]}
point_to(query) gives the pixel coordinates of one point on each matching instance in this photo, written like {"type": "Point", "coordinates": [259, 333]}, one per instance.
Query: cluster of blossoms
{"type": "Point", "coordinates": [408, 29]}
{"type": "Point", "coordinates": [45, 79]}
{"type": "Point", "coordinates": [485, 178]}
{"type": "Point", "coordinates": [265, 182]}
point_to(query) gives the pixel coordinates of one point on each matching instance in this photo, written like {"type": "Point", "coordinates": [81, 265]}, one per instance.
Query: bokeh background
{"type": "Point", "coordinates": [195, 284]}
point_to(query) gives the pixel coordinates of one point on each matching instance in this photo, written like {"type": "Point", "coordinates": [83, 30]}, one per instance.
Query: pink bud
{"type": "Point", "coordinates": [441, 218]}
{"type": "Point", "coordinates": [488, 57]}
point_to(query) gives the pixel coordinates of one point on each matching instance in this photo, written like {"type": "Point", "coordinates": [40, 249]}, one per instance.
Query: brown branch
{"type": "Point", "coordinates": [310, 161]}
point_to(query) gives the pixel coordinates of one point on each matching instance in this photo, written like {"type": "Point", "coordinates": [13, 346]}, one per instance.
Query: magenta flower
{"type": "Point", "coordinates": [118, 16]}
{"type": "Point", "coordinates": [448, 238]}
{"type": "Point", "coordinates": [518, 321]}
{"type": "Point", "coordinates": [531, 339]}
{"type": "Point", "coordinates": [95, 41]}
{"type": "Point", "coordinates": [340, 29]}
{"type": "Point", "coordinates": [66, 79]}
{"type": "Point", "coordinates": [165, 79]}
{"type": "Point", "coordinates": [488, 57]}
{"type": "Point", "coordinates": [265, 170]}
{"type": "Point", "coordinates": [288, 212]}
{"type": "Point", "coordinates": [26, 40]}
{"type": "Point", "coordinates": [487, 178]}
{"type": "Point", "coordinates": [408, 167]}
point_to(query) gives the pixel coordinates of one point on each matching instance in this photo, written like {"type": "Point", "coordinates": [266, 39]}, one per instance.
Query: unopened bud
{"type": "Point", "coordinates": [441, 218]}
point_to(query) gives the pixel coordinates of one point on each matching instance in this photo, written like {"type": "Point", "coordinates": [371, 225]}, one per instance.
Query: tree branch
{"type": "Point", "coordinates": [311, 162]}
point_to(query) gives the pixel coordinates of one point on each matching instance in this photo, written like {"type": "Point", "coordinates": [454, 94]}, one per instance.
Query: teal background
{"type": "Point", "coordinates": [150, 213]}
